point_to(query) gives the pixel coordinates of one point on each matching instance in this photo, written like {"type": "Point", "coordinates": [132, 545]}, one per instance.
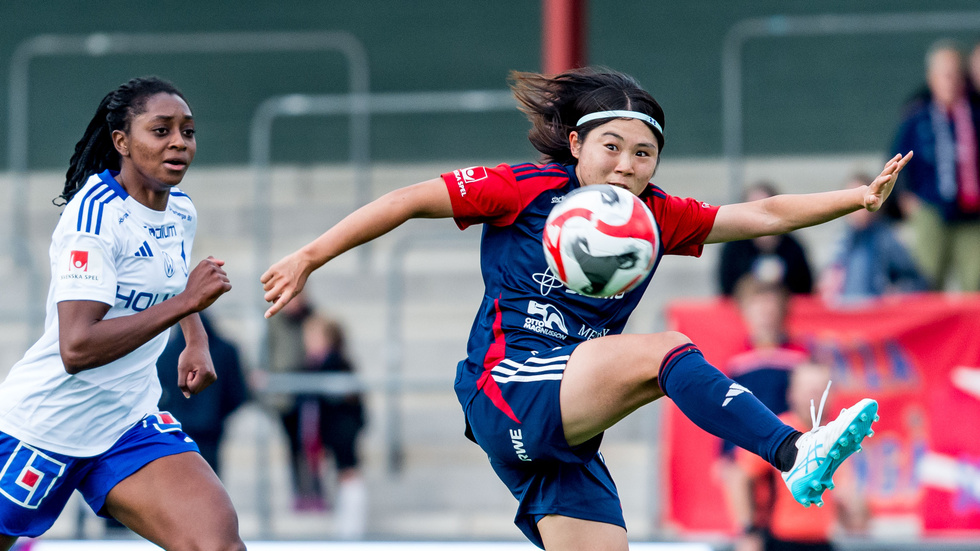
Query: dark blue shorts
{"type": "Point", "coordinates": [35, 484]}
{"type": "Point", "coordinates": [516, 419]}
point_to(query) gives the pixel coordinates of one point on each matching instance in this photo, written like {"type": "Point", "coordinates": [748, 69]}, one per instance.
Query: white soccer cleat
{"type": "Point", "coordinates": [823, 449]}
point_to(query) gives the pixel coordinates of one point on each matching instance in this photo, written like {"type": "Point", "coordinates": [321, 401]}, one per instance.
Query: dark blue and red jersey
{"type": "Point", "coordinates": [525, 307]}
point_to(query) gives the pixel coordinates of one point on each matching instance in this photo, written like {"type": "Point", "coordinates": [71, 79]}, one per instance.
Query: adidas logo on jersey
{"type": "Point", "coordinates": [734, 391]}
{"type": "Point", "coordinates": [144, 250]}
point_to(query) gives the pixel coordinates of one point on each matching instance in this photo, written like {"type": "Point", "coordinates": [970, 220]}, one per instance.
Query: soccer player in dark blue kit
{"type": "Point", "coordinates": [548, 370]}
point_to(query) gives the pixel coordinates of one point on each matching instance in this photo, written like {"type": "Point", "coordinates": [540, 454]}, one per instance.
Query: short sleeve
{"type": "Point", "coordinates": [483, 195]}
{"type": "Point", "coordinates": [684, 223]}
{"type": "Point", "coordinates": [84, 268]}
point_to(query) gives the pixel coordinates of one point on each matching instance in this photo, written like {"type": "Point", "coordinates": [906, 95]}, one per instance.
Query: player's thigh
{"type": "Point", "coordinates": [608, 378]}
{"type": "Point", "coordinates": [573, 534]}
{"type": "Point", "coordinates": [178, 503]}
{"type": "Point", "coordinates": [6, 542]}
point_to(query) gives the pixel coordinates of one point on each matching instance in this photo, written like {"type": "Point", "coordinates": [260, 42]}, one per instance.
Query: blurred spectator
{"type": "Point", "coordinates": [203, 415]}
{"type": "Point", "coordinates": [300, 340]}
{"type": "Point", "coordinates": [973, 71]}
{"type": "Point", "coordinates": [340, 420]}
{"type": "Point", "coordinates": [939, 190]}
{"type": "Point", "coordinates": [777, 256]}
{"type": "Point", "coordinates": [870, 260]}
{"type": "Point", "coordinates": [764, 368]}
{"type": "Point", "coordinates": [773, 521]}
{"type": "Point", "coordinates": [287, 354]}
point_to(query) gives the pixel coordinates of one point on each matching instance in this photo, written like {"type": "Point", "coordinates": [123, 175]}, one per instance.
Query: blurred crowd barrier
{"type": "Point", "coordinates": [917, 355]}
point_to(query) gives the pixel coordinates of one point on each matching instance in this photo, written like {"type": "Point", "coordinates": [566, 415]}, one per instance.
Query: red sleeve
{"type": "Point", "coordinates": [484, 195]}
{"type": "Point", "coordinates": [684, 223]}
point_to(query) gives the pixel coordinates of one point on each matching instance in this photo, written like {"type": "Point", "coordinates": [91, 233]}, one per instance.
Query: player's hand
{"type": "Point", "coordinates": [882, 186]}
{"type": "Point", "coordinates": [283, 281]}
{"type": "Point", "coordinates": [206, 283]}
{"type": "Point", "coordinates": [195, 370]}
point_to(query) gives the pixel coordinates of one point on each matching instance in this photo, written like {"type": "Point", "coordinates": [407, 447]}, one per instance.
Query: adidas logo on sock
{"type": "Point", "coordinates": [734, 391]}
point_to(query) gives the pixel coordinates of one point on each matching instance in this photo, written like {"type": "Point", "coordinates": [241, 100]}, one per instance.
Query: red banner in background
{"type": "Point", "coordinates": [918, 356]}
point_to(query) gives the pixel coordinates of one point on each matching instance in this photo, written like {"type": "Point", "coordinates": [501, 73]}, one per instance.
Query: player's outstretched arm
{"type": "Point", "coordinates": [286, 278]}
{"type": "Point", "coordinates": [785, 213]}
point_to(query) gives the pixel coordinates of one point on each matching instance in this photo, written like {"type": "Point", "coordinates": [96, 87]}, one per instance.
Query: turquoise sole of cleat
{"type": "Point", "coordinates": [859, 428]}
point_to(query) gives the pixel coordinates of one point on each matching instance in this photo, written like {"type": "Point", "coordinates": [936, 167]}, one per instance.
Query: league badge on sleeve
{"type": "Point", "coordinates": [81, 265]}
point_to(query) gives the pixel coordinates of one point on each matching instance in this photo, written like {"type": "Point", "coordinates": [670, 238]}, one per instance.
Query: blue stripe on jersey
{"type": "Point", "coordinates": [555, 174]}
{"type": "Point", "coordinates": [104, 191]}
{"type": "Point", "coordinates": [531, 167]}
{"type": "Point", "coordinates": [658, 192]}
{"type": "Point", "coordinates": [90, 220]}
{"type": "Point", "coordinates": [81, 205]}
{"type": "Point", "coordinates": [87, 205]}
{"type": "Point", "coordinates": [108, 177]}
{"type": "Point", "coordinates": [525, 171]}
{"type": "Point", "coordinates": [176, 193]}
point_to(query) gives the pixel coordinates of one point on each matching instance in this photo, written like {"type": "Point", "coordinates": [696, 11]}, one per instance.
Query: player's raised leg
{"type": "Point", "coordinates": [6, 542]}
{"type": "Point", "coordinates": [178, 503]}
{"type": "Point", "coordinates": [608, 378]}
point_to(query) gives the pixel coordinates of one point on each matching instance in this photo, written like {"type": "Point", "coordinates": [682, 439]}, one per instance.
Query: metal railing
{"type": "Point", "coordinates": [100, 45]}
{"type": "Point", "coordinates": [808, 25]}
{"type": "Point", "coordinates": [260, 148]}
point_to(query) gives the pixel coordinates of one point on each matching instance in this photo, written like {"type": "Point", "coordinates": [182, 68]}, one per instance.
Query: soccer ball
{"type": "Point", "coordinates": [601, 240]}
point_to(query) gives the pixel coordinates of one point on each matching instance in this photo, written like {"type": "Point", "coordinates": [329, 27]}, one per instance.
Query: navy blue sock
{"type": "Point", "coordinates": [719, 405]}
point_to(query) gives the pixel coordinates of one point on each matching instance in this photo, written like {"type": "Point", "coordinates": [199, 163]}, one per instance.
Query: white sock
{"type": "Point", "coordinates": [350, 519]}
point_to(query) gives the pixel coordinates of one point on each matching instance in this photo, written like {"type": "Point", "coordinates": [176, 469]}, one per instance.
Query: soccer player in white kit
{"type": "Point", "coordinates": [79, 411]}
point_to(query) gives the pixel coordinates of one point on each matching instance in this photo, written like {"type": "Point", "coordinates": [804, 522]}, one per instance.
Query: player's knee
{"type": "Point", "coordinates": [223, 538]}
{"type": "Point", "coordinates": [655, 347]}
{"type": "Point", "coordinates": [667, 341]}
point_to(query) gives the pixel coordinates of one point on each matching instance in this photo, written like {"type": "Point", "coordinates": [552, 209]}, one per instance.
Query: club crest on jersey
{"type": "Point", "coordinates": [29, 475]}
{"type": "Point", "coordinates": [168, 265]}
{"type": "Point", "coordinates": [81, 265]}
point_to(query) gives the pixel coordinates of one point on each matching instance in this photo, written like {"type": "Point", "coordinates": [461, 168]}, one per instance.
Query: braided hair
{"type": "Point", "coordinates": [95, 152]}
{"type": "Point", "coordinates": [554, 104]}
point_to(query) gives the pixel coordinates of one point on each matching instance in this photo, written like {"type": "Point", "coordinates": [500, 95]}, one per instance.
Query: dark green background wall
{"type": "Point", "coordinates": [802, 95]}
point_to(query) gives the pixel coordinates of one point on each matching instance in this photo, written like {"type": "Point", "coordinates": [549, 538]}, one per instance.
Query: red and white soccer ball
{"type": "Point", "coordinates": [601, 240]}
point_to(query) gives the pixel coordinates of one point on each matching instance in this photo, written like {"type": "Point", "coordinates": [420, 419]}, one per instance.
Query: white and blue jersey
{"type": "Point", "coordinates": [107, 247]}
{"type": "Point", "coordinates": [528, 327]}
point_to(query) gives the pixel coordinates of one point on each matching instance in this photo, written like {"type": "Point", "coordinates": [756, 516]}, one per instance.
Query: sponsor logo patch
{"type": "Point", "coordinates": [80, 265]}
{"type": "Point", "coordinates": [29, 475]}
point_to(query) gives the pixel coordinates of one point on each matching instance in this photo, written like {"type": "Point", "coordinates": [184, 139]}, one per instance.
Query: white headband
{"type": "Point", "coordinates": [622, 115]}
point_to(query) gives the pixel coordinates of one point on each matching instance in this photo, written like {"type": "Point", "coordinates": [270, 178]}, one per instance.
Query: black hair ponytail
{"type": "Point", "coordinates": [555, 103]}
